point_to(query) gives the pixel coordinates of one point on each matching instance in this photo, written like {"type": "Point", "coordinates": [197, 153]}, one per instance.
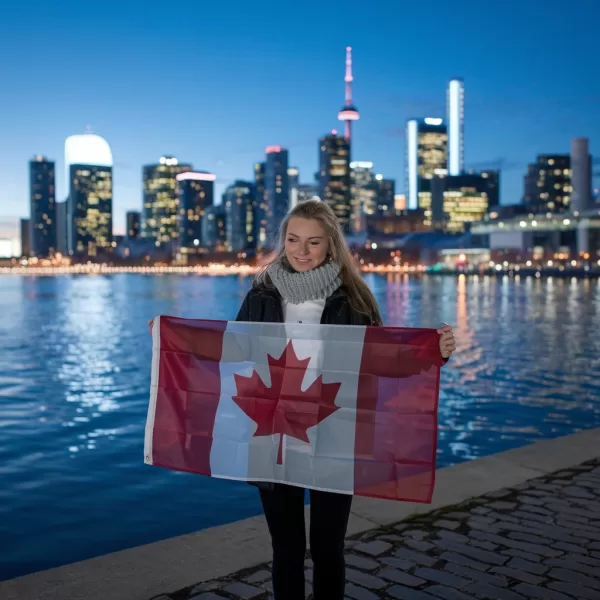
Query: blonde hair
{"type": "Point", "coordinates": [360, 297]}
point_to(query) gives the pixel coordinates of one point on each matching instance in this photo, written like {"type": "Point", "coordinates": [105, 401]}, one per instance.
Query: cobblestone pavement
{"type": "Point", "coordinates": [540, 539]}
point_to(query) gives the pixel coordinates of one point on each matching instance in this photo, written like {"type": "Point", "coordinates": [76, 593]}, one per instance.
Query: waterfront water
{"type": "Point", "coordinates": [74, 381]}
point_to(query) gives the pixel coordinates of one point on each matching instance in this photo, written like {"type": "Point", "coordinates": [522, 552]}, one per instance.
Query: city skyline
{"type": "Point", "coordinates": [509, 119]}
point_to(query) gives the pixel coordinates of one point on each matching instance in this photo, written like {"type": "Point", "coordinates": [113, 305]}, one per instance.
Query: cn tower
{"type": "Point", "coordinates": [349, 113]}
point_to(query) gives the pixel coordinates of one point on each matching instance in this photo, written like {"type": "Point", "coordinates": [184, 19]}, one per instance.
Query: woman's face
{"type": "Point", "coordinates": [306, 244]}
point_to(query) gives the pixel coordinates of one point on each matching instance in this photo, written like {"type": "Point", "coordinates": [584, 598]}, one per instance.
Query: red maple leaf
{"type": "Point", "coordinates": [284, 408]}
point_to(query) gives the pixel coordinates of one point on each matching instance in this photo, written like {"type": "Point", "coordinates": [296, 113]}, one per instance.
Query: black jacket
{"type": "Point", "coordinates": [264, 304]}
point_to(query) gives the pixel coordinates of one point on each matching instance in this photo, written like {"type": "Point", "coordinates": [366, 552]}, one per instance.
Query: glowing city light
{"type": "Point", "coordinates": [455, 129]}
{"type": "Point", "coordinates": [196, 176]}
{"type": "Point", "coordinates": [348, 115]}
{"type": "Point", "coordinates": [412, 153]}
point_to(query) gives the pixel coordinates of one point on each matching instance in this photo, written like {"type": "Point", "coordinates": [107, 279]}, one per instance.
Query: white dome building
{"type": "Point", "coordinates": [87, 149]}
{"type": "Point", "coordinates": [88, 163]}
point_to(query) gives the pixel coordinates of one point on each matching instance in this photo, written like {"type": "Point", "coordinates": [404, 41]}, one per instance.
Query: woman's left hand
{"type": "Point", "coordinates": [447, 341]}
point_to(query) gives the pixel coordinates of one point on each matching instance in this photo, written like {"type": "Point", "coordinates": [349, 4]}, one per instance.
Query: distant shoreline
{"type": "Point", "coordinates": [544, 272]}
{"type": "Point", "coordinates": [247, 270]}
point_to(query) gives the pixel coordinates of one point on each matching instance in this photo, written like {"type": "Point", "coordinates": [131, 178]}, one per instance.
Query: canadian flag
{"type": "Point", "coordinates": [351, 410]}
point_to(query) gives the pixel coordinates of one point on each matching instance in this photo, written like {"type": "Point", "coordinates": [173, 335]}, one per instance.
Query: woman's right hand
{"type": "Point", "coordinates": [150, 323]}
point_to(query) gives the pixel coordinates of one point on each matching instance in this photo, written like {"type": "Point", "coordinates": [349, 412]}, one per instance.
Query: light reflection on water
{"type": "Point", "coordinates": [74, 378]}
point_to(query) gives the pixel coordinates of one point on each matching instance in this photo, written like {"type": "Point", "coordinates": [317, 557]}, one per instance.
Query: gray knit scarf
{"type": "Point", "coordinates": [301, 286]}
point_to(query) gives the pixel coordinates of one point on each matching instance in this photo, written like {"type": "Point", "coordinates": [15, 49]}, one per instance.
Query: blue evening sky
{"type": "Point", "coordinates": [215, 82]}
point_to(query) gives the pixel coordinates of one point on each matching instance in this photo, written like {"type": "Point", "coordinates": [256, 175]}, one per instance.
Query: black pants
{"type": "Point", "coordinates": [329, 513]}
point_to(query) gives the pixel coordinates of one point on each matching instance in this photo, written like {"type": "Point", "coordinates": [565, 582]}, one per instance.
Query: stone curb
{"type": "Point", "coordinates": [538, 539]}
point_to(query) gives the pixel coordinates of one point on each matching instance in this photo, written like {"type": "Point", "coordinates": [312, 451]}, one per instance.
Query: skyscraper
{"type": "Point", "coordinates": [293, 177]}
{"type": "Point", "coordinates": [161, 199]}
{"type": "Point", "coordinates": [458, 200]}
{"type": "Point", "coordinates": [88, 160]}
{"type": "Point", "coordinates": [363, 194]}
{"type": "Point", "coordinates": [133, 219]}
{"type": "Point", "coordinates": [214, 228]}
{"type": "Point", "coordinates": [581, 164]}
{"type": "Point", "coordinates": [426, 158]}
{"type": "Point", "coordinates": [301, 193]}
{"type": "Point", "coordinates": [386, 190]}
{"type": "Point", "coordinates": [277, 189]}
{"type": "Point", "coordinates": [42, 224]}
{"type": "Point", "coordinates": [334, 176]}
{"type": "Point", "coordinates": [548, 184]}
{"type": "Point", "coordinates": [62, 227]}
{"type": "Point", "coordinates": [261, 206]}
{"type": "Point", "coordinates": [196, 194]}
{"type": "Point", "coordinates": [25, 233]}
{"type": "Point", "coordinates": [238, 200]}
{"type": "Point", "coordinates": [492, 185]}
{"type": "Point", "coordinates": [456, 118]}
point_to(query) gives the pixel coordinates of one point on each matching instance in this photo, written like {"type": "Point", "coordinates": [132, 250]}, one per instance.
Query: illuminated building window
{"type": "Point", "coordinates": [334, 180]}
{"type": "Point", "coordinates": [544, 188]}
{"type": "Point", "coordinates": [161, 198]}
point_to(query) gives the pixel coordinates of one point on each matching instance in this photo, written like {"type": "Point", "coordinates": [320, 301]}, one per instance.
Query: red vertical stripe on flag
{"type": "Point", "coordinates": [189, 388]}
{"type": "Point", "coordinates": [396, 417]}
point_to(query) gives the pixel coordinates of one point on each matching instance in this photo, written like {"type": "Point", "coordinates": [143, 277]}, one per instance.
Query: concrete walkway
{"type": "Point", "coordinates": [540, 539]}
{"type": "Point", "coordinates": [546, 489]}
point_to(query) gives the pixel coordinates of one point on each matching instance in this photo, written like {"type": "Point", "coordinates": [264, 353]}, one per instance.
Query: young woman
{"type": "Point", "coordinates": [313, 279]}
